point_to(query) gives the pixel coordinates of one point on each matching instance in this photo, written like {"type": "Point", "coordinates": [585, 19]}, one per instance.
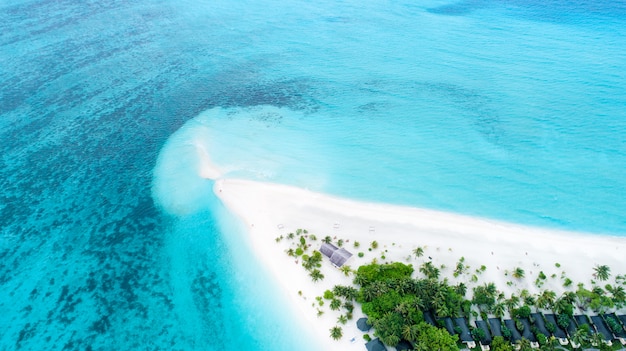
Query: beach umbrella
{"type": "Point", "coordinates": [362, 324]}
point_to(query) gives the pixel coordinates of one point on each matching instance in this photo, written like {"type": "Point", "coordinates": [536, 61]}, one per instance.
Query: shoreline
{"type": "Point", "coordinates": [273, 210]}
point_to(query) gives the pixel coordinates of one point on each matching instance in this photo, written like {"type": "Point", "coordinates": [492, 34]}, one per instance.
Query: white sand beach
{"type": "Point", "coordinates": [271, 210]}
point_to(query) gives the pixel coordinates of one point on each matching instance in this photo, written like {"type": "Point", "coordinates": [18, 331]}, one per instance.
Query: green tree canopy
{"type": "Point", "coordinates": [499, 344]}
{"type": "Point", "coordinates": [367, 274]}
{"type": "Point", "coordinates": [434, 339]}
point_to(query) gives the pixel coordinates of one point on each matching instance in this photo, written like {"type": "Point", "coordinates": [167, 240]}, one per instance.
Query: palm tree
{"type": "Point", "coordinates": [418, 303]}
{"type": "Point", "coordinates": [518, 273]}
{"type": "Point", "coordinates": [546, 299]}
{"type": "Point", "coordinates": [580, 336]}
{"type": "Point", "coordinates": [429, 270]}
{"type": "Point", "coordinates": [563, 306]}
{"type": "Point", "coordinates": [569, 296]}
{"type": "Point", "coordinates": [410, 332]}
{"type": "Point", "coordinates": [403, 308]}
{"type": "Point", "coordinates": [512, 302]}
{"type": "Point", "coordinates": [316, 275]}
{"type": "Point", "coordinates": [336, 332]}
{"type": "Point", "coordinates": [342, 319]}
{"type": "Point", "coordinates": [418, 251]}
{"type": "Point", "coordinates": [390, 339]}
{"type": "Point", "coordinates": [596, 339]}
{"type": "Point", "coordinates": [405, 286]}
{"type": "Point", "coordinates": [523, 344]}
{"type": "Point", "coordinates": [602, 272]}
{"type": "Point", "coordinates": [619, 295]}
{"type": "Point", "coordinates": [484, 296]}
{"type": "Point", "coordinates": [369, 293]}
{"type": "Point", "coordinates": [346, 270]}
{"type": "Point", "coordinates": [499, 309]}
{"type": "Point", "coordinates": [491, 289]}
{"type": "Point", "coordinates": [327, 239]}
{"type": "Point", "coordinates": [461, 289]}
{"type": "Point", "coordinates": [441, 310]}
{"type": "Point", "coordinates": [550, 345]}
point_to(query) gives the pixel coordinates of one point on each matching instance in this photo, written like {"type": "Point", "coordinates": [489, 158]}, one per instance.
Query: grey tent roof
{"type": "Point", "coordinates": [620, 333]}
{"type": "Point", "coordinates": [362, 324]}
{"type": "Point", "coordinates": [540, 324]}
{"type": "Point", "coordinates": [429, 318]}
{"type": "Point", "coordinates": [558, 332]}
{"type": "Point", "coordinates": [328, 249]}
{"type": "Point", "coordinates": [465, 335]}
{"type": "Point", "coordinates": [527, 333]}
{"type": "Point", "coordinates": [496, 326]}
{"type": "Point", "coordinates": [582, 320]}
{"type": "Point", "coordinates": [515, 335]}
{"type": "Point", "coordinates": [448, 324]}
{"type": "Point", "coordinates": [622, 318]}
{"type": "Point", "coordinates": [602, 327]}
{"type": "Point", "coordinates": [483, 325]}
{"type": "Point", "coordinates": [375, 345]}
{"type": "Point", "coordinates": [337, 256]}
{"type": "Point", "coordinates": [340, 257]}
{"type": "Point", "coordinates": [404, 345]}
{"type": "Point", "coordinates": [571, 328]}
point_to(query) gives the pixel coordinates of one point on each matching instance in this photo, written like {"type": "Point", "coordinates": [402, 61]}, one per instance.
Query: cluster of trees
{"type": "Point", "coordinates": [393, 302]}
{"type": "Point", "coordinates": [311, 262]}
{"type": "Point", "coordinates": [489, 300]}
{"type": "Point", "coordinates": [341, 298]}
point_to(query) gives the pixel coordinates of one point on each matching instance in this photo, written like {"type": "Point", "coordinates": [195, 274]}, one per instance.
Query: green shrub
{"type": "Point", "coordinates": [551, 327]}
{"type": "Point", "coordinates": [563, 321]}
{"type": "Point", "coordinates": [542, 339]}
{"type": "Point", "coordinates": [506, 332]}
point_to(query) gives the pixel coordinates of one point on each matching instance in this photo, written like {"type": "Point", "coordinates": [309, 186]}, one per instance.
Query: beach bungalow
{"type": "Point", "coordinates": [603, 329]}
{"type": "Point", "coordinates": [496, 326]}
{"type": "Point", "coordinates": [622, 318]}
{"type": "Point", "coordinates": [465, 335]}
{"type": "Point", "coordinates": [539, 323]}
{"type": "Point", "coordinates": [620, 333]}
{"type": "Point", "coordinates": [447, 323]}
{"type": "Point", "coordinates": [581, 320]}
{"type": "Point", "coordinates": [515, 334]}
{"type": "Point", "coordinates": [486, 339]}
{"type": "Point", "coordinates": [337, 256]}
{"type": "Point", "coordinates": [375, 345]}
{"type": "Point", "coordinates": [528, 334]}
{"type": "Point", "coordinates": [558, 332]}
{"type": "Point", "coordinates": [327, 249]}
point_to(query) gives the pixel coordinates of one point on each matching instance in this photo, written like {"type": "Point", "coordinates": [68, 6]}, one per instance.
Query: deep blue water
{"type": "Point", "coordinates": [506, 109]}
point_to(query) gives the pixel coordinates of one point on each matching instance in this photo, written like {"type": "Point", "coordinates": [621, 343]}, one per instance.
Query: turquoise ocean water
{"type": "Point", "coordinates": [513, 110]}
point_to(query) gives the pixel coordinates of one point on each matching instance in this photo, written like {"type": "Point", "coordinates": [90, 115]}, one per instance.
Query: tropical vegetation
{"type": "Point", "coordinates": [396, 298]}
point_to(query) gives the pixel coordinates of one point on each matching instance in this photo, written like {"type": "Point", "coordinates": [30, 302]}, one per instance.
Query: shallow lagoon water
{"type": "Point", "coordinates": [507, 110]}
